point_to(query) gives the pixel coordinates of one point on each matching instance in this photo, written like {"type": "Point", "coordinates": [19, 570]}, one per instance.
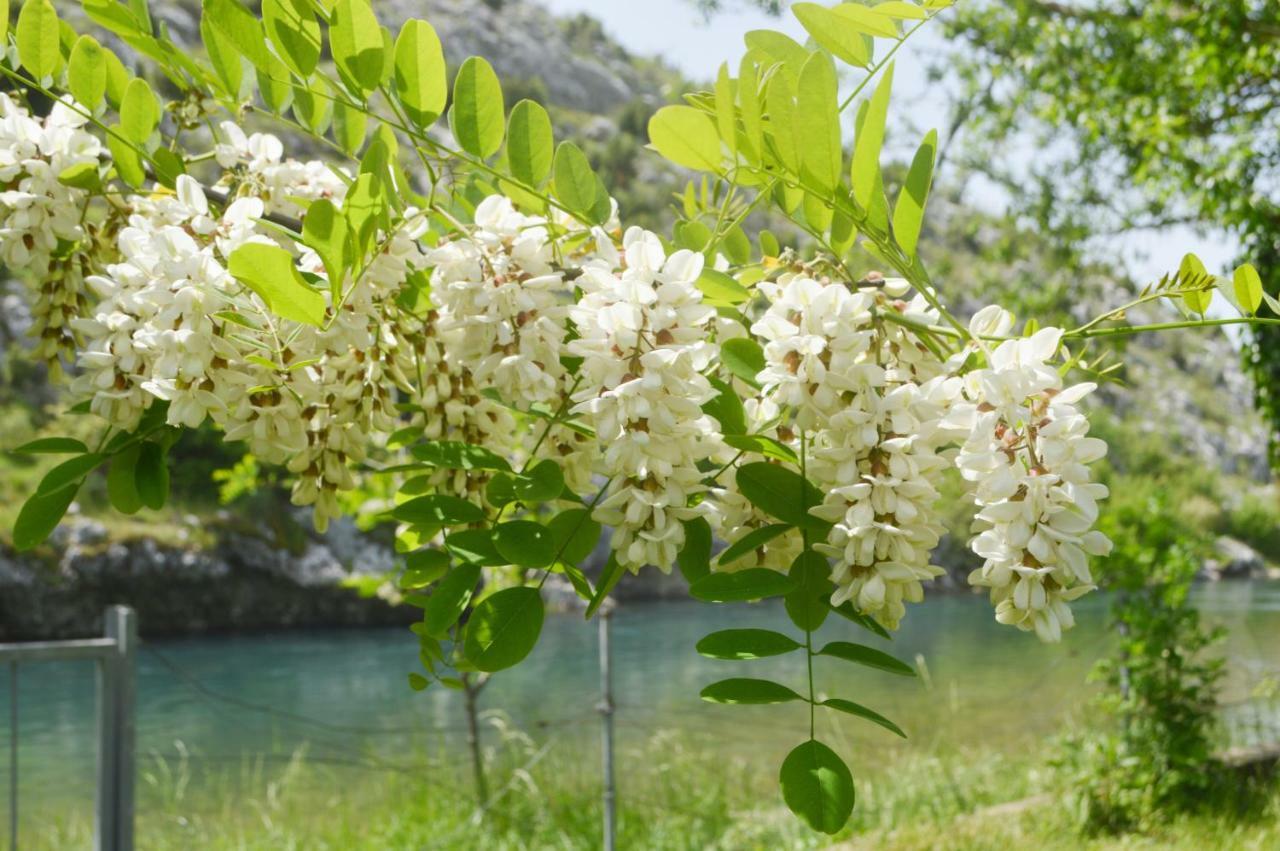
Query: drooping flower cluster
{"type": "Point", "coordinates": [1027, 453]}
{"type": "Point", "coordinates": [870, 401]}
{"type": "Point", "coordinates": [172, 324]}
{"type": "Point", "coordinates": [643, 340]}
{"type": "Point", "coordinates": [41, 217]}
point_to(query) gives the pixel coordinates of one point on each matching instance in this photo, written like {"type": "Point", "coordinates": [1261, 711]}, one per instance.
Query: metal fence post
{"type": "Point", "coordinates": [117, 684]}
{"type": "Point", "coordinates": [13, 756]}
{"type": "Point", "coordinates": [606, 708]}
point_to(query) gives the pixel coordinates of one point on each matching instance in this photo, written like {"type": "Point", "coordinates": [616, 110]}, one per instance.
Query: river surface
{"type": "Point", "coordinates": [343, 694]}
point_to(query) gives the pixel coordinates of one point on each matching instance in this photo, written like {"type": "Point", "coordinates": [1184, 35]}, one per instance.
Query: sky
{"type": "Point", "coordinates": [675, 31]}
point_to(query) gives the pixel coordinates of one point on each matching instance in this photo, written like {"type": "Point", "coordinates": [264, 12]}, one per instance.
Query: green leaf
{"type": "Point", "coordinates": [324, 229]}
{"type": "Point", "coordinates": [87, 72]}
{"type": "Point", "coordinates": [777, 47]}
{"type": "Point", "coordinates": [152, 476]}
{"type": "Point", "coordinates": [504, 628]}
{"type": "Point", "coordinates": [39, 516]}
{"type": "Point", "coordinates": [720, 289]}
{"type": "Point", "coordinates": [423, 567]}
{"type": "Point", "coordinates": [848, 706]}
{"type": "Point", "coordinates": [450, 598]}
{"type": "Point", "coordinates": [223, 56]}
{"type": "Point", "coordinates": [438, 510]}
{"type": "Point", "coordinates": [687, 137]}
{"type": "Point", "coordinates": [81, 175]}
{"type": "Point", "coordinates": [605, 584]}
{"type": "Point", "coordinates": [908, 213]}
{"type": "Point", "coordinates": [727, 408]}
{"type": "Point", "coordinates": [456, 455]}
{"type": "Point", "coordinates": [140, 112]}
{"type": "Point", "coordinates": [865, 172]}
{"type": "Point", "coordinates": [475, 545]}
{"type": "Point", "coordinates": [52, 446]}
{"type": "Point", "coordinates": [269, 271]}
{"type": "Point", "coordinates": [748, 691]}
{"type": "Point", "coordinates": [784, 123]}
{"type": "Point", "coordinates": [752, 584]}
{"type": "Point", "coordinates": [742, 644]}
{"type": "Point", "coordinates": [1193, 273]}
{"type": "Point", "coordinates": [239, 29]}
{"type": "Point", "coordinates": [901, 10]}
{"type": "Point", "coordinates": [530, 143]}
{"type": "Point", "coordinates": [749, 105]}
{"type": "Point", "coordinates": [860, 654]}
{"type": "Point", "coordinates": [694, 558]}
{"type": "Point", "coordinates": [69, 472]}
{"type": "Point", "coordinates": [744, 358]}
{"type": "Point", "coordinates": [542, 483]}
{"type": "Point", "coordinates": [37, 34]}
{"type": "Point", "coordinates": [750, 542]}
{"type": "Point", "coordinates": [818, 112]}
{"type": "Point", "coordinates": [726, 111]}
{"type": "Point", "coordinates": [762, 445]}
{"type": "Point", "coordinates": [525, 543]}
{"type": "Point", "coordinates": [808, 605]}
{"type": "Point", "coordinates": [848, 612]}
{"type": "Point", "coordinates": [4, 21]}
{"type": "Point", "coordinates": [575, 534]}
{"type": "Point", "coordinates": [1248, 287]}
{"type": "Point", "coordinates": [420, 80]}
{"type": "Point", "coordinates": [868, 21]}
{"type": "Point", "coordinates": [356, 42]}
{"type": "Point", "coordinates": [834, 33]}
{"type": "Point", "coordinates": [817, 786]}
{"type": "Point", "coordinates": [781, 493]}
{"type": "Point", "coordinates": [349, 127]}
{"type": "Point", "coordinates": [577, 186]}
{"type": "Point", "coordinates": [293, 29]}
{"type": "Point", "coordinates": [417, 682]}
{"type": "Point", "coordinates": [476, 114]}
{"type": "Point", "coordinates": [122, 485]}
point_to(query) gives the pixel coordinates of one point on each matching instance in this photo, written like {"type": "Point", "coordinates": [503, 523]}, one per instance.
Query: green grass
{"type": "Point", "coordinates": [672, 796]}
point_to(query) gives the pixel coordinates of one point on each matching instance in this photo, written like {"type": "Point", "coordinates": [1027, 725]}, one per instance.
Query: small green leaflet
{"type": "Point", "coordinates": [750, 542]}
{"type": "Point", "coordinates": [37, 35]}
{"type": "Point", "coordinates": [450, 599]}
{"type": "Point", "coordinates": [438, 510]}
{"type": "Point", "coordinates": [476, 114]}
{"type": "Point", "coordinates": [694, 558]}
{"type": "Point", "coordinates": [1192, 273]}
{"type": "Point", "coordinates": [781, 493]}
{"type": "Point", "coordinates": [357, 44]}
{"type": "Point", "coordinates": [269, 271]}
{"type": "Point", "coordinates": [746, 690]}
{"type": "Point", "coordinates": [525, 543]}
{"type": "Point", "coordinates": [52, 446]}
{"type": "Point", "coordinates": [686, 136]}
{"type": "Point", "coordinates": [744, 358]}
{"type": "Point", "coordinates": [908, 213]}
{"type": "Point", "coordinates": [530, 143]}
{"type": "Point", "coordinates": [577, 186]}
{"type": "Point", "coordinates": [293, 29]}
{"type": "Point", "coordinates": [1248, 287]}
{"type": "Point", "coordinates": [741, 644]}
{"type": "Point", "coordinates": [420, 79]}
{"type": "Point", "coordinates": [504, 628]}
{"type": "Point", "coordinates": [817, 786]}
{"type": "Point", "coordinates": [851, 708]}
{"type": "Point", "coordinates": [860, 654]}
{"type": "Point", "coordinates": [865, 172]}
{"type": "Point", "coordinates": [751, 584]}
{"type": "Point", "coordinates": [87, 72]}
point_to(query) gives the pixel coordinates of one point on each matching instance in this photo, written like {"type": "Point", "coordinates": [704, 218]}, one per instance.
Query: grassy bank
{"type": "Point", "coordinates": [675, 795]}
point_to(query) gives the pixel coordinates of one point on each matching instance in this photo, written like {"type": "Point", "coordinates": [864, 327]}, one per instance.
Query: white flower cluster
{"type": "Point", "coordinates": [172, 324]}
{"type": "Point", "coordinates": [642, 334]}
{"type": "Point", "coordinates": [1027, 453]}
{"type": "Point", "coordinates": [870, 401]}
{"type": "Point", "coordinates": [41, 218]}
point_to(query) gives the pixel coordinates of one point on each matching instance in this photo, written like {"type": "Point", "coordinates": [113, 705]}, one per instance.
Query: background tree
{"type": "Point", "coordinates": [1175, 100]}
